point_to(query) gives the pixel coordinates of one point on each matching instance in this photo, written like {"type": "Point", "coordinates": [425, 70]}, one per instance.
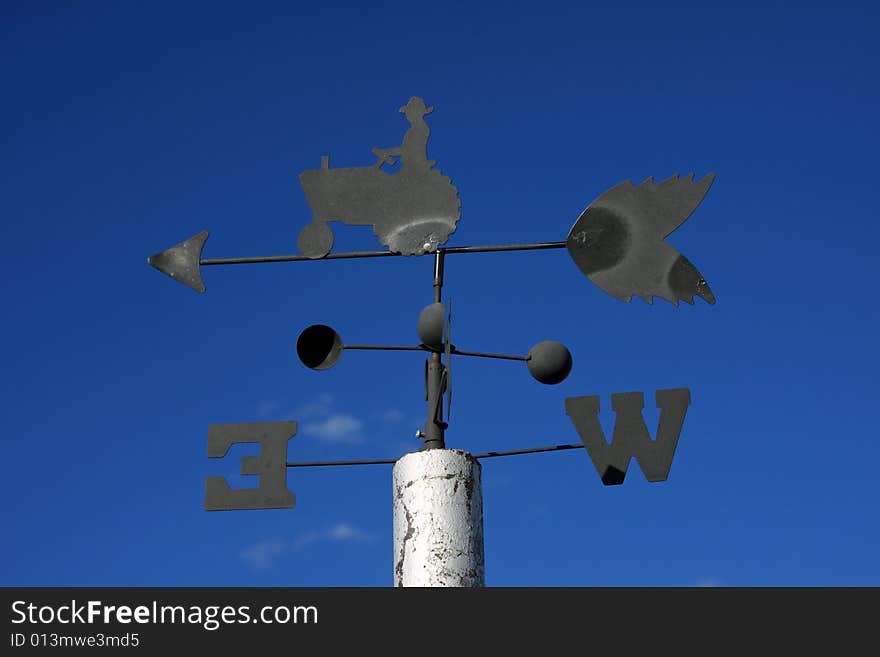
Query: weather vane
{"type": "Point", "coordinates": [617, 242]}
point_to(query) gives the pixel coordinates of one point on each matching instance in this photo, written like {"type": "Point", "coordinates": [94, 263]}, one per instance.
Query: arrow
{"type": "Point", "coordinates": [181, 262]}
{"type": "Point", "coordinates": [617, 243]}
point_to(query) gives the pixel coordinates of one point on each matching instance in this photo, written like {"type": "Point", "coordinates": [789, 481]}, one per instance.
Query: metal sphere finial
{"type": "Point", "coordinates": [431, 325]}
{"type": "Point", "coordinates": [549, 362]}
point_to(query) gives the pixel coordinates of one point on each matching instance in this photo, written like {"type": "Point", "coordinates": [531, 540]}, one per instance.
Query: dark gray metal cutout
{"type": "Point", "coordinates": [430, 325]}
{"type": "Point", "coordinates": [618, 240]}
{"type": "Point", "coordinates": [319, 347]}
{"type": "Point", "coordinates": [270, 465]}
{"type": "Point", "coordinates": [549, 362]}
{"type": "Point", "coordinates": [630, 437]}
{"type": "Point", "coordinates": [412, 210]}
{"type": "Point", "coordinates": [181, 262]}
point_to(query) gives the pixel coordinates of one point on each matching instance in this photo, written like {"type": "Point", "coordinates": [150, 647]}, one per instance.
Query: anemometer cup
{"type": "Point", "coordinates": [319, 347]}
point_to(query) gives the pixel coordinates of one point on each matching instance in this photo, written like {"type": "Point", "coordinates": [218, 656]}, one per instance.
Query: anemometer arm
{"type": "Point", "coordinates": [482, 354]}
{"type": "Point", "coordinates": [423, 347]}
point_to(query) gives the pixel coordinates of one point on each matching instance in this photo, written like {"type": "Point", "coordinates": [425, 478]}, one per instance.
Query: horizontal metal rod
{"type": "Point", "coordinates": [533, 450]}
{"type": "Point", "coordinates": [380, 254]}
{"type": "Point", "coordinates": [482, 354]}
{"type": "Point", "coordinates": [421, 347]}
{"type": "Point", "coordinates": [386, 347]}
{"type": "Point", "coordinates": [317, 464]}
{"type": "Point", "coordinates": [487, 455]}
{"type": "Point", "coordinates": [535, 246]}
{"type": "Point", "coordinates": [295, 258]}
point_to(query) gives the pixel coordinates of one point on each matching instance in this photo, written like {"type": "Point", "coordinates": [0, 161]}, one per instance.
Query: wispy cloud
{"type": "Point", "coordinates": [335, 428]}
{"type": "Point", "coordinates": [392, 416]}
{"type": "Point", "coordinates": [273, 409]}
{"type": "Point", "coordinates": [346, 532]}
{"type": "Point", "coordinates": [342, 532]}
{"type": "Point", "coordinates": [317, 407]}
{"type": "Point", "coordinates": [267, 407]}
{"type": "Point", "coordinates": [317, 418]}
{"type": "Point", "coordinates": [262, 556]}
{"type": "Point", "coordinates": [320, 418]}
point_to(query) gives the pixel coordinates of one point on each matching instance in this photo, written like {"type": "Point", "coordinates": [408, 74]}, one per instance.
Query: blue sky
{"type": "Point", "coordinates": [127, 127]}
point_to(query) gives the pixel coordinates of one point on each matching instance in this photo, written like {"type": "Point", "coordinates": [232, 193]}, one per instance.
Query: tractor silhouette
{"type": "Point", "coordinates": [412, 210]}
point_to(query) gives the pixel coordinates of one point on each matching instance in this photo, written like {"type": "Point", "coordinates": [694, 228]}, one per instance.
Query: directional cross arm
{"type": "Point", "coordinates": [182, 262]}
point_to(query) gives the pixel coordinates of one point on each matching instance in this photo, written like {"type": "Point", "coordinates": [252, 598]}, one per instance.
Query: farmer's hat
{"type": "Point", "coordinates": [416, 105]}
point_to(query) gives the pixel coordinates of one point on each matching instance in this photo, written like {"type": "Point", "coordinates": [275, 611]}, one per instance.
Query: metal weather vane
{"type": "Point", "coordinates": [617, 242]}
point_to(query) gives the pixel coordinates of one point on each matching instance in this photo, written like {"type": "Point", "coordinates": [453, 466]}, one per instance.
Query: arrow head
{"type": "Point", "coordinates": [181, 262]}
{"type": "Point", "coordinates": [618, 241]}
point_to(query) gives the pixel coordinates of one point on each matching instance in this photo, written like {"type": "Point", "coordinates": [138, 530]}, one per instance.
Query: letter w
{"type": "Point", "coordinates": [631, 437]}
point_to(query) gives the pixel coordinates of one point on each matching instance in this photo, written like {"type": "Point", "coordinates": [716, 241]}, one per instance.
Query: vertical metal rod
{"type": "Point", "coordinates": [439, 257]}
{"type": "Point", "coordinates": [434, 426]}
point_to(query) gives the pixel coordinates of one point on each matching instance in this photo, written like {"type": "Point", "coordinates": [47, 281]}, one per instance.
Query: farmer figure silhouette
{"type": "Point", "coordinates": [412, 210]}
{"type": "Point", "coordinates": [413, 153]}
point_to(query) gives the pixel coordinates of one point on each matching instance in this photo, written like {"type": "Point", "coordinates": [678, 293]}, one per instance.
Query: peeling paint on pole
{"type": "Point", "coordinates": [438, 519]}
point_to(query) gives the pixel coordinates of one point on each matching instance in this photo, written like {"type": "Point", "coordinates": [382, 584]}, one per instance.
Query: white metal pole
{"type": "Point", "coordinates": [438, 519]}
